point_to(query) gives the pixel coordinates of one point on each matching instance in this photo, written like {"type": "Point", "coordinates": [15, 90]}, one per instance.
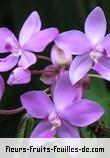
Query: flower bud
{"type": "Point", "coordinates": [49, 74]}
{"type": "Point", "coordinates": [59, 57]}
{"type": "Point", "coordinates": [19, 76]}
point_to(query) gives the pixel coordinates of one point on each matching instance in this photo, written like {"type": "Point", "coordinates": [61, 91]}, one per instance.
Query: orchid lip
{"type": "Point", "coordinates": [17, 51]}
{"type": "Point", "coordinates": [10, 43]}
{"type": "Point", "coordinates": [54, 120]}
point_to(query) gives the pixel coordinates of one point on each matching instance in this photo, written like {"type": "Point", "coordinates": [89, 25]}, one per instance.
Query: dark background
{"type": "Point", "coordinates": [63, 14]}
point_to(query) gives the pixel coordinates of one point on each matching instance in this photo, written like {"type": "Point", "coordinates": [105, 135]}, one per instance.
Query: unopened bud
{"type": "Point", "coordinates": [59, 57]}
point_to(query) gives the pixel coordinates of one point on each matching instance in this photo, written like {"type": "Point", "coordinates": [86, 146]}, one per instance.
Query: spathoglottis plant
{"type": "Point", "coordinates": [61, 109]}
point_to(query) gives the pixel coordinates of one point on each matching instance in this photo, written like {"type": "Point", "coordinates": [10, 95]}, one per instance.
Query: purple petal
{"type": "Point", "coordinates": [19, 76]}
{"type": "Point", "coordinates": [43, 130]}
{"type": "Point", "coordinates": [59, 57]}
{"type": "Point", "coordinates": [79, 68]}
{"type": "Point", "coordinates": [103, 68]}
{"type": "Point", "coordinates": [27, 59]}
{"type": "Point", "coordinates": [8, 41]}
{"type": "Point", "coordinates": [50, 76]}
{"type": "Point", "coordinates": [2, 87]}
{"type": "Point", "coordinates": [74, 42]}
{"type": "Point", "coordinates": [37, 104]}
{"type": "Point", "coordinates": [106, 44]}
{"type": "Point", "coordinates": [95, 25]}
{"type": "Point", "coordinates": [8, 62]}
{"type": "Point", "coordinates": [64, 92]}
{"type": "Point", "coordinates": [67, 131]}
{"type": "Point", "coordinates": [83, 113]}
{"type": "Point", "coordinates": [31, 26]}
{"type": "Point", "coordinates": [39, 41]}
{"type": "Point", "coordinates": [80, 91]}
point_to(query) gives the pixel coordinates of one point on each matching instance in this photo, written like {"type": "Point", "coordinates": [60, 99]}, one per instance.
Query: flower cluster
{"type": "Point", "coordinates": [74, 53]}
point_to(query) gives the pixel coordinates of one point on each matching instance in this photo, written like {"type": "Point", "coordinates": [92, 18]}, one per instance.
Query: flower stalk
{"type": "Point", "coordinates": [37, 72]}
{"type": "Point", "coordinates": [12, 112]}
{"type": "Point", "coordinates": [43, 58]}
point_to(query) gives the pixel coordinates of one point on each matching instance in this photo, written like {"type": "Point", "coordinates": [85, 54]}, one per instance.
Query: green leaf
{"type": "Point", "coordinates": [101, 95]}
{"type": "Point", "coordinates": [25, 126]}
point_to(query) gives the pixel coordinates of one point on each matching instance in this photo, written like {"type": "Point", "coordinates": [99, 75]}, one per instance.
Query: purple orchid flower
{"type": "Point", "coordinates": [62, 116]}
{"type": "Point", "coordinates": [92, 48]}
{"type": "Point", "coordinates": [31, 39]}
{"type": "Point", "coordinates": [2, 87]}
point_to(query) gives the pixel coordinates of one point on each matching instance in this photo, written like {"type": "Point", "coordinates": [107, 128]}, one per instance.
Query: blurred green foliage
{"type": "Point", "coordinates": [65, 15]}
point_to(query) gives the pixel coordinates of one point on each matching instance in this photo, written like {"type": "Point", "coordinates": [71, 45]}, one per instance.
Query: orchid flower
{"type": "Point", "coordinates": [31, 39]}
{"type": "Point", "coordinates": [92, 48]}
{"type": "Point", "coordinates": [65, 114]}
